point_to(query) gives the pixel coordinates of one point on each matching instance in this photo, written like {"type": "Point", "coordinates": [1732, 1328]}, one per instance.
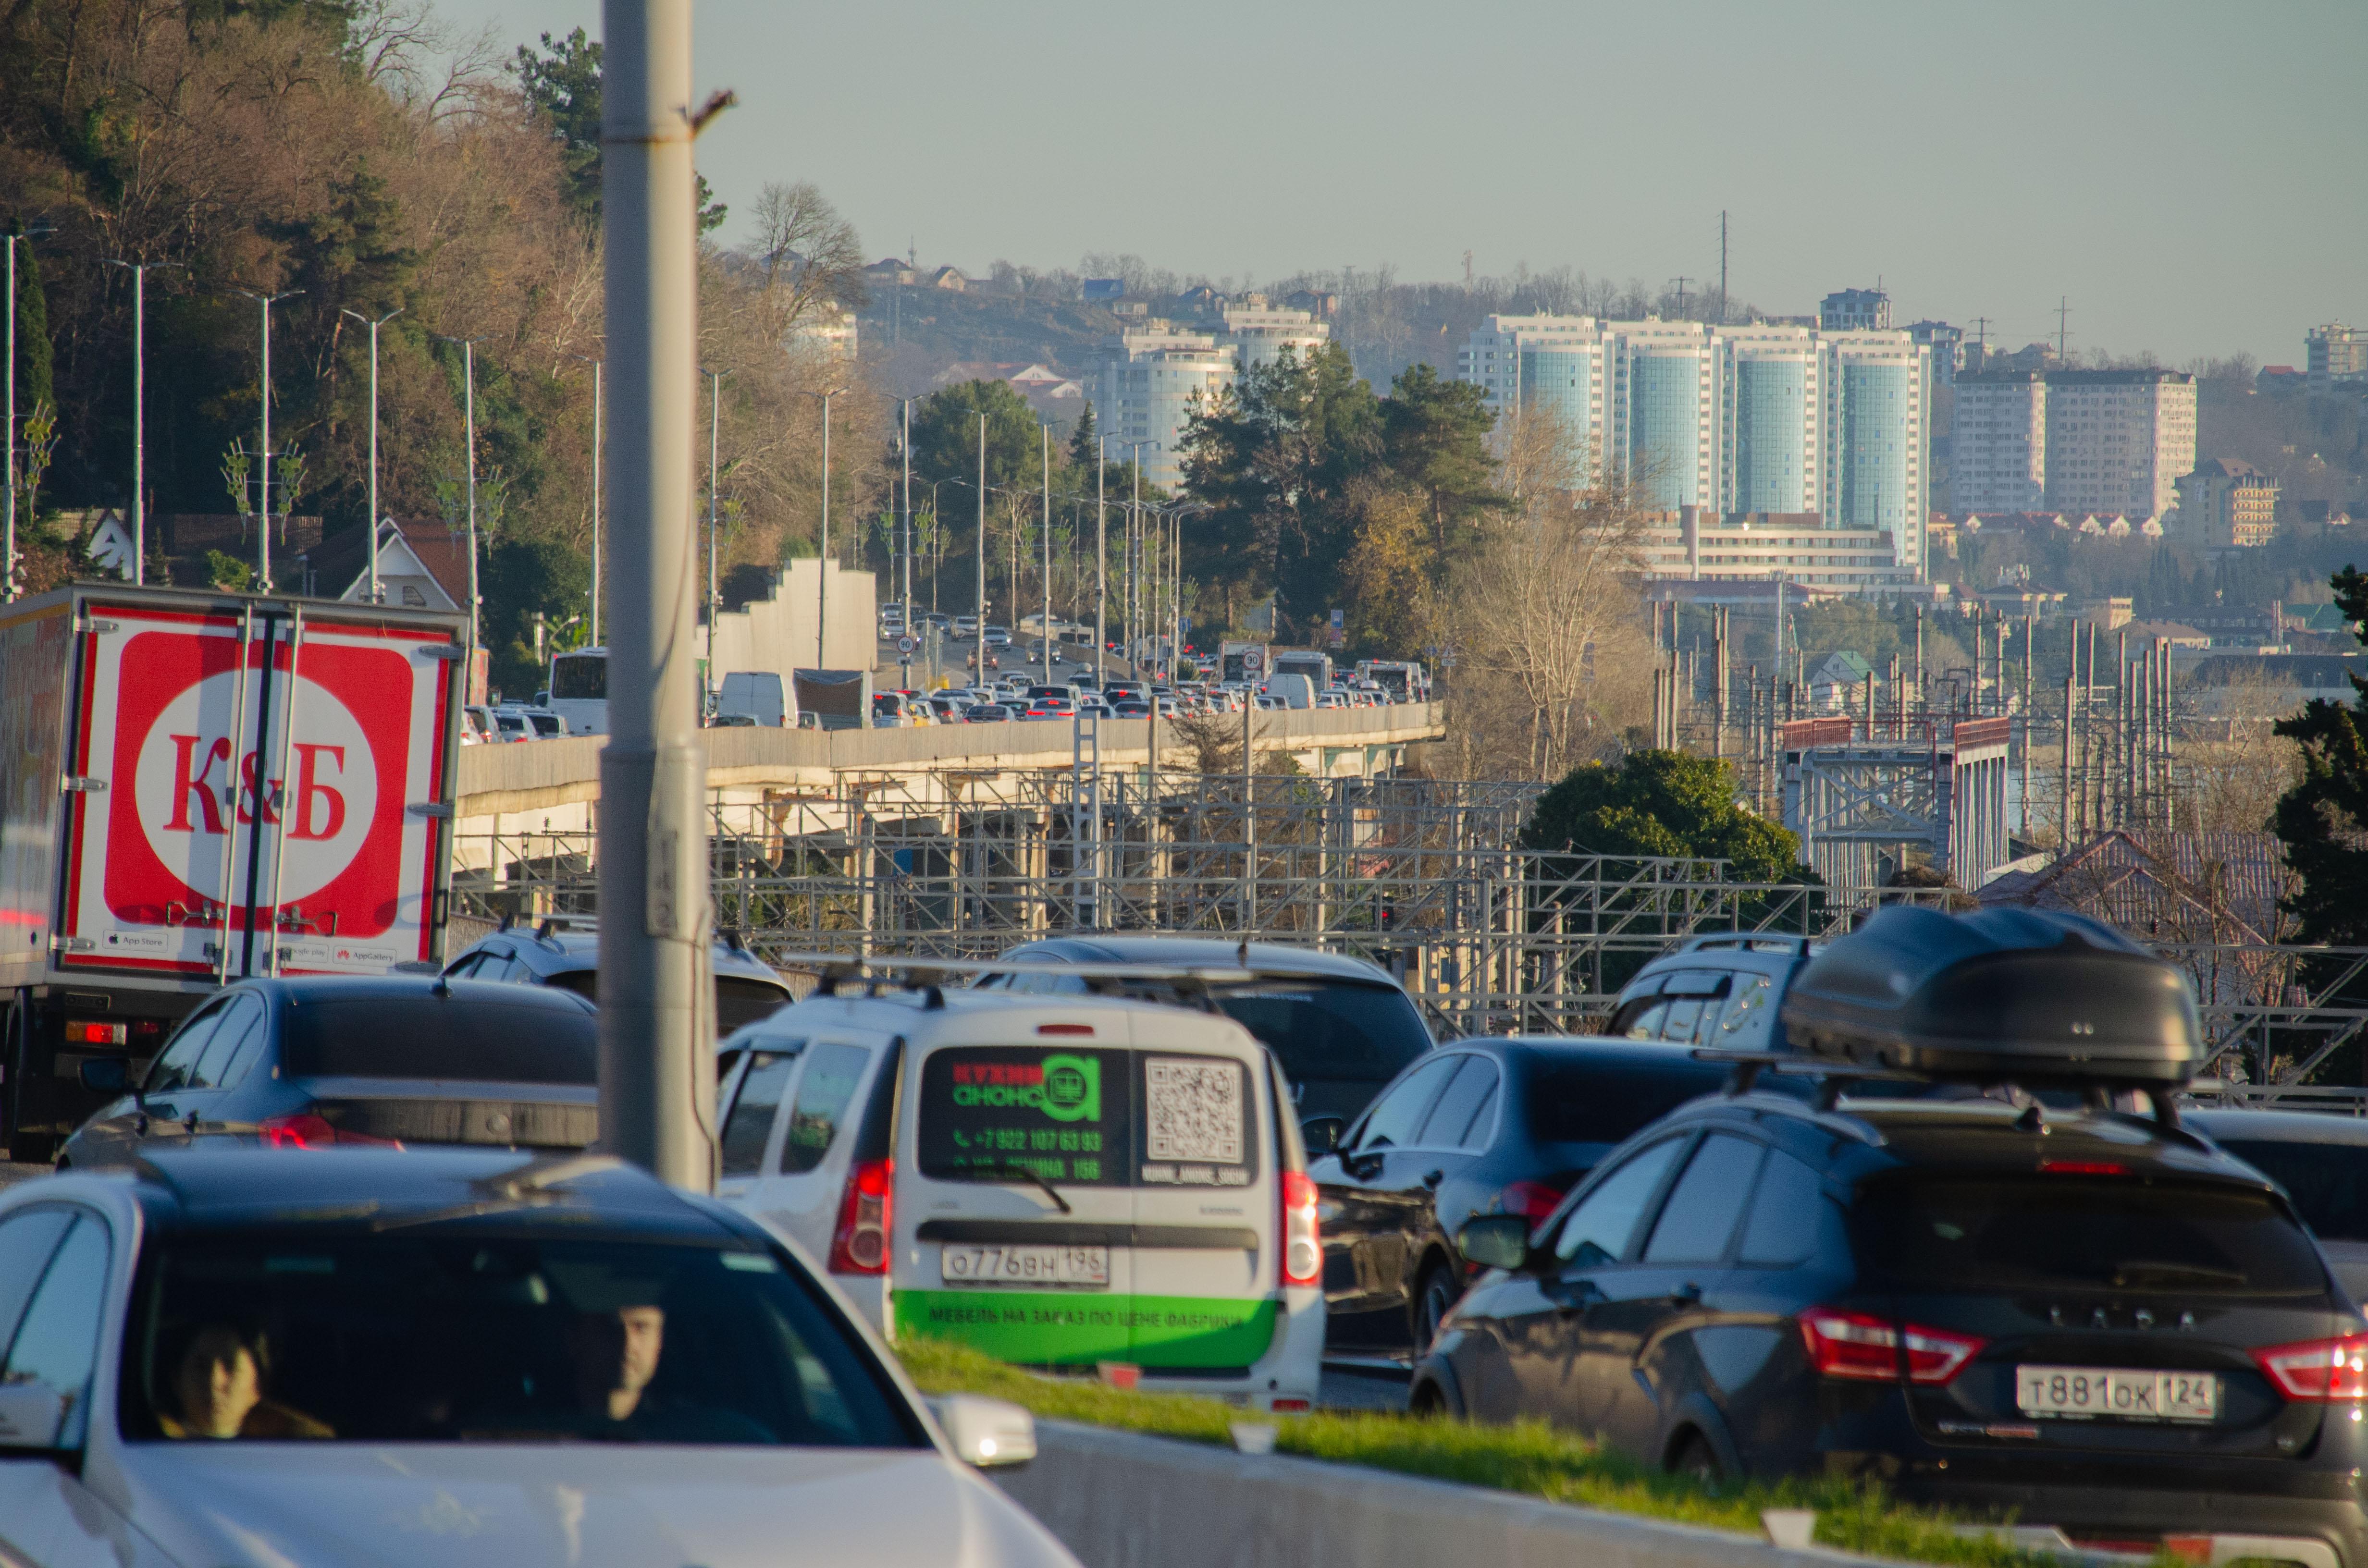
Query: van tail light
{"type": "Point", "coordinates": [866, 1209]}
{"type": "Point", "coordinates": [1873, 1349]}
{"type": "Point", "coordinates": [1303, 1246]}
{"type": "Point", "coordinates": [2319, 1370]}
{"type": "Point", "coordinates": [310, 1130]}
{"type": "Point", "coordinates": [1533, 1201]}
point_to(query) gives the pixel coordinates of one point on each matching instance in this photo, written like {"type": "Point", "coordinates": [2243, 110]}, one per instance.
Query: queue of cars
{"type": "Point", "coordinates": [1886, 1206]}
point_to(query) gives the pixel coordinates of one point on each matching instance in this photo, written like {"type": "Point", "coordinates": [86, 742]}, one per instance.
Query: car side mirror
{"type": "Point", "coordinates": [31, 1416]}
{"type": "Point", "coordinates": [1322, 1133]}
{"type": "Point", "coordinates": [108, 1075]}
{"type": "Point", "coordinates": [992, 1434]}
{"type": "Point", "coordinates": [1496, 1241]}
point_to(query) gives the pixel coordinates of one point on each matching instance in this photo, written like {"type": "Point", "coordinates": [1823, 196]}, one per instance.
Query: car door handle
{"type": "Point", "coordinates": [1433, 1179]}
{"type": "Point", "coordinates": [1687, 1294]}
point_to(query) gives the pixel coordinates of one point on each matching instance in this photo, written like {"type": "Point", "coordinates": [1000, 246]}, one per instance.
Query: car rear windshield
{"type": "Point", "coordinates": [2082, 1232]}
{"type": "Point", "coordinates": [426, 1036]}
{"type": "Point", "coordinates": [2328, 1182]}
{"type": "Point", "coordinates": [1572, 1099]}
{"type": "Point", "coordinates": [410, 1337]}
{"type": "Point", "coordinates": [738, 1000]}
{"type": "Point", "coordinates": [1332, 1030]}
{"type": "Point", "coordinates": [1088, 1118]}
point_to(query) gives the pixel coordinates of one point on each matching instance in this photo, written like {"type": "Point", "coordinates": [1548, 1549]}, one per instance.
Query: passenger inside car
{"type": "Point", "coordinates": [218, 1387]}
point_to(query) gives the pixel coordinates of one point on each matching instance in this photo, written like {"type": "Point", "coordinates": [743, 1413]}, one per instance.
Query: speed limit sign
{"type": "Point", "coordinates": [906, 645]}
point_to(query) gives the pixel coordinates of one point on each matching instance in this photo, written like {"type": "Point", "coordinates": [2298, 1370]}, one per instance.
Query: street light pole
{"type": "Point", "coordinates": [263, 502]}
{"type": "Point", "coordinates": [139, 270]}
{"type": "Point", "coordinates": [596, 494]}
{"type": "Point", "coordinates": [981, 628]}
{"type": "Point", "coordinates": [906, 620]}
{"type": "Point", "coordinates": [9, 435]}
{"type": "Point", "coordinates": [1045, 429]}
{"type": "Point", "coordinates": [375, 597]}
{"type": "Point", "coordinates": [1134, 608]}
{"type": "Point", "coordinates": [714, 426]}
{"type": "Point", "coordinates": [1101, 560]}
{"type": "Point", "coordinates": [657, 1082]}
{"type": "Point", "coordinates": [469, 444]}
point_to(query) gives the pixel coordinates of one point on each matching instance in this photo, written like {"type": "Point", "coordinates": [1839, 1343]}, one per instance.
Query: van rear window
{"type": "Point", "coordinates": [1086, 1118]}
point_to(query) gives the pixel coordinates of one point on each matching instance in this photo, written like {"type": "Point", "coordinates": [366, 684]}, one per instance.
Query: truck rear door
{"type": "Point", "coordinates": [253, 788]}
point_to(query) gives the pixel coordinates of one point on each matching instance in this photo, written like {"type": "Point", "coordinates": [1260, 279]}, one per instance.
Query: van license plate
{"type": "Point", "coordinates": [1087, 1266]}
{"type": "Point", "coordinates": [2111, 1390]}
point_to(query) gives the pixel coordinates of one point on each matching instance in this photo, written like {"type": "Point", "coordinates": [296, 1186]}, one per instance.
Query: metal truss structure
{"type": "Point", "coordinates": [1861, 803]}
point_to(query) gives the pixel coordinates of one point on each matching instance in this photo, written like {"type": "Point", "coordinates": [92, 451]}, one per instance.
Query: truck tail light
{"type": "Point", "coordinates": [1873, 1349]}
{"type": "Point", "coordinates": [2319, 1370]}
{"type": "Point", "coordinates": [1303, 1246]}
{"type": "Point", "coordinates": [81, 1032]}
{"type": "Point", "coordinates": [310, 1130]}
{"type": "Point", "coordinates": [866, 1209]}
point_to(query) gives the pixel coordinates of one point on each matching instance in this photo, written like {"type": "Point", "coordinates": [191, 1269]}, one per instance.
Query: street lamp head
{"type": "Point", "coordinates": [367, 321]}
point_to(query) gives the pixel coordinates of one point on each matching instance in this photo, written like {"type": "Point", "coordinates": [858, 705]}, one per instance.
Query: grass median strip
{"type": "Point", "coordinates": [1528, 1457]}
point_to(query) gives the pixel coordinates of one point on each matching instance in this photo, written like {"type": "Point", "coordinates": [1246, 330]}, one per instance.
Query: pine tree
{"type": "Point", "coordinates": [2323, 820]}
{"type": "Point", "coordinates": [1082, 441]}
{"type": "Point", "coordinates": [35, 386]}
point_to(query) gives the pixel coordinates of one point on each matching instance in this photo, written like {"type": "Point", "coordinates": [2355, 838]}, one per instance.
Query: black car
{"type": "Point", "coordinates": [1342, 1028]}
{"type": "Point", "coordinates": [308, 1063]}
{"type": "Point", "coordinates": [2322, 1163]}
{"type": "Point", "coordinates": [555, 953]}
{"type": "Point", "coordinates": [1486, 1126]}
{"type": "Point", "coordinates": [2081, 1318]}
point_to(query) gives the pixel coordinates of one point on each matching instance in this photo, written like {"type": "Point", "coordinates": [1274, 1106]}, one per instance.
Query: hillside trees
{"type": "Point", "coordinates": [2323, 818]}
{"type": "Point", "coordinates": [323, 148]}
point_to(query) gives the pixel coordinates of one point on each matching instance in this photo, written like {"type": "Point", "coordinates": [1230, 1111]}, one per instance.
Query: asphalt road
{"type": "Point", "coordinates": [1361, 1388]}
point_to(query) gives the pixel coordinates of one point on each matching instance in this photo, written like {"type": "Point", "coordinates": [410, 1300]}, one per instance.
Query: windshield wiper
{"type": "Point", "coordinates": [1015, 1169]}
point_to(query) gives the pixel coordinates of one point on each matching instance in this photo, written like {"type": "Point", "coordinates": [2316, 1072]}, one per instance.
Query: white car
{"type": "Point", "coordinates": [256, 1358]}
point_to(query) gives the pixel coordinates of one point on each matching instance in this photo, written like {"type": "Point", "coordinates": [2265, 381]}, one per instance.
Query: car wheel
{"type": "Point", "coordinates": [1698, 1463]}
{"type": "Point", "coordinates": [1427, 1402]}
{"type": "Point", "coordinates": [1433, 1302]}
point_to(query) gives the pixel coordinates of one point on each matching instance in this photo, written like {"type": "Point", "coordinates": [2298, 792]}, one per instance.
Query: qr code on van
{"type": "Point", "coordinates": [1194, 1111]}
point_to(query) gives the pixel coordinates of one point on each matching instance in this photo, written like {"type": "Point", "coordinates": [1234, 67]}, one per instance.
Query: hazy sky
{"type": "Point", "coordinates": [2194, 177]}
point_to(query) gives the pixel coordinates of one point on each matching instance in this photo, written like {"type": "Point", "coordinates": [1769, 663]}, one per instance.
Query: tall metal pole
{"type": "Point", "coordinates": [1101, 560]}
{"type": "Point", "coordinates": [980, 631]}
{"type": "Point", "coordinates": [375, 595]}
{"type": "Point", "coordinates": [822, 580]}
{"type": "Point", "coordinates": [1045, 432]}
{"type": "Point", "coordinates": [469, 378]}
{"type": "Point", "coordinates": [595, 629]}
{"type": "Point", "coordinates": [263, 460]}
{"type": "Point", "coordinates": [8, 436]}
{"type": "Point", "coordinates": [906, 619]}
{"type": "Point", "coordinates": [715, 424]}
{"type": "Point", "coordinates": [658, 1078]}
{"type": "Point", "coordinates": [139, 271]}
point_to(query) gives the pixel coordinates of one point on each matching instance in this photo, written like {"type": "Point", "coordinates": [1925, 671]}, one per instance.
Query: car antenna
{"type": "Point", "coordinates": [443, 986]}
{"type": "Point", "coordinates": [542, 932]}
{"type": "Point", "coordinates": [1242, 953]}
{"type": "Point", "coordinates": [510, 918]}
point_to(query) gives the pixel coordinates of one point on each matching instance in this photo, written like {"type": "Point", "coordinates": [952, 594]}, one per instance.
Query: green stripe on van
{"type": "Point", "coordinates": [1062, 1327]}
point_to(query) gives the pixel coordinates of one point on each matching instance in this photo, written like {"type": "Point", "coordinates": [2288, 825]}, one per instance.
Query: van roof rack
{"type": "Point", "coordinates": [924, 973]}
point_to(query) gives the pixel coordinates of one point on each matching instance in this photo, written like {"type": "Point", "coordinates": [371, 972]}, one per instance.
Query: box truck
{"type": "Point", "coordinates": [196, 787]}
{"type": "Point", "coordinates": [1241, 662]}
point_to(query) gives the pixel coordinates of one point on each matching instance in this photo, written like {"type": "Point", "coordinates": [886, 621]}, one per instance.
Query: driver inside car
{"type": "Point", "coordinates": [218, 1390]}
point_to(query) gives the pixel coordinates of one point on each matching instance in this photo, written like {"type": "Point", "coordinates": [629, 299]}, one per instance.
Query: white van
{"type": "Point", "coordinates": [1058, 1181]}
{"type": "Point", "coordinates": [1292, 690]}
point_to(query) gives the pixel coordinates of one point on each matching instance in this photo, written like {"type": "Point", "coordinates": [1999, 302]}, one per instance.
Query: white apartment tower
{"type": "Point", "coordinates": [1764, 420]}
{"type": "Point", "coordinates": [2000, 442]}
{"type": "Point", "coordinates": [2087, 441]}
{"type": "Point", "coordinates": [1155, 375]}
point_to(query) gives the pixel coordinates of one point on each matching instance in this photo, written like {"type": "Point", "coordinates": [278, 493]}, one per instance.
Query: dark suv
{"type": "Point", "coordinates": [1723, 990]}
{"type": "Point", "coordinates": [2081, 1317]}
{"type": "Point", "coordinates": [747, 988]}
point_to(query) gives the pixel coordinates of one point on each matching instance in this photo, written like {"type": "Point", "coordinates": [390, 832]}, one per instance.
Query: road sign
{"type": "Point", "coordinates": [906, 645]}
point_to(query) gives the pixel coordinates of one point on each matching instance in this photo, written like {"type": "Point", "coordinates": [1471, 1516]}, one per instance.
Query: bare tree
{"type": "Point", "coordinates": [807, 254]}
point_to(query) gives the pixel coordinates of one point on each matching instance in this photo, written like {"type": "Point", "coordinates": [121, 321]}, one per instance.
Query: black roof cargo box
{"type": "Point", "coordinates": [2008, 995]}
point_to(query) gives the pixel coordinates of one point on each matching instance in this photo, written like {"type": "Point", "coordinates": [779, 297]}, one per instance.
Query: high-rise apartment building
{"type": "Point", "coordinates": [1948, 346]}
{"type": "Point", "coordinates": [2118, 440]}
{"type": "Point", "coordinates": [2334, 353]}
{"type": "Point", "coordinates": [1998, 452]}
{"type": "Point", "coordinates": [1155, 375]}
{"type": "Point", "coordinates": [1763, 419]}
{"type": "Point", "coordinates": [2087, 441]}
{"type": "Point", "coordinates": [1854, 310]}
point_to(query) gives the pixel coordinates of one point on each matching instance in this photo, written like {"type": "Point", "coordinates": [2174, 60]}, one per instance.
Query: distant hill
{"type": "Point", "coordinates": [915, 332]}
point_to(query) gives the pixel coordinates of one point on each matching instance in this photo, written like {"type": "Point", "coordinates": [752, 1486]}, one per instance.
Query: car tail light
{"type": "Point", "coordinates": [2319, 1370]}
{"type": "Point", "coordinates": [1934, 1355]}
{"type": "Point", "coordinates": [1303, 1247]}
{"type": "Point", "coordinates": [1873, 1349]}
{"type": "Point", "coordinates": [310, 1130]}
{"type": "Point", "coordinates": [860, 1244]}
{"type": "Point", "coordinates": [1533, 1201]}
